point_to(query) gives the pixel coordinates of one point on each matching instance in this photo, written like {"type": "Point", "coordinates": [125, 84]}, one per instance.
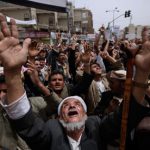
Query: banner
{"type": "Point", "coordinates": [29, 22]}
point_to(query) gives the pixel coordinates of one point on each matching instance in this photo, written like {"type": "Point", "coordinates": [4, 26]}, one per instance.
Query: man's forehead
{"type": "Point", "coordinates": [95, 65]}
{"type": "Point", "coordinates": [57, 76]}
{"type": "Point", "coordinates": [71, 100]}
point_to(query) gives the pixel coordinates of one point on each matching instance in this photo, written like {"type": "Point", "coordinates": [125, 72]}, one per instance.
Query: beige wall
{"type": "Point", "coordinates": [19, 14]}
{"type": "Point", "coordinates": [77, 16]}
{"type": "Point", "coordinates": [63, 24]}
{"type": "Point", "coordinates": [83, 20]}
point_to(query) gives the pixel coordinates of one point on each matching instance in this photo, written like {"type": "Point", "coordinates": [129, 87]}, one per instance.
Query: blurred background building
{"type": "Point", "coordinates": [74, 20]}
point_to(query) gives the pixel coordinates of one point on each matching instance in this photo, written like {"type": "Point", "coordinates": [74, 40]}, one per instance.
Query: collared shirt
{"type": "Point", "coordinates": [101, 88]}
{"type": "Point", "coordinates": [75, 145]}
{"type": "Point", "coordinates": [15, 110]}
{"type": "Point", "coordinates": [18, 108]}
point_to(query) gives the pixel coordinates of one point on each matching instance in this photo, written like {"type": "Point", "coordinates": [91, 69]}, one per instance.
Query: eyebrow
{"type": "Point", "coordinates": [76, 101]}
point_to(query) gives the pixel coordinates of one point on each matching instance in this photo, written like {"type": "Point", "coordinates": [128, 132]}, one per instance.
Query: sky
{"type": "Point", "coordinates": [140, 10]}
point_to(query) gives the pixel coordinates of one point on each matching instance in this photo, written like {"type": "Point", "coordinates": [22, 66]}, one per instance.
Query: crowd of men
{"type": "Point", "coordinates": [70, 95]}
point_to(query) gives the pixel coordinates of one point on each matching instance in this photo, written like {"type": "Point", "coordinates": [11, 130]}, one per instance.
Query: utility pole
{"type": "Point", "coordinates": [131, 17]}
{"type": "Point", "coordinates": [126, 14]}
{"type": "Point", "coordinates": [113, 12]}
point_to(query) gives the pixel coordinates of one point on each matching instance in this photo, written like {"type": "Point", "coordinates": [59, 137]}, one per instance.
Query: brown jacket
{"type": "Point", "coordinates": [93, 96]}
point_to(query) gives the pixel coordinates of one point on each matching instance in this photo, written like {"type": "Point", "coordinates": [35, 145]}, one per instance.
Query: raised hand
{"type": "Point", "coordinates": [86, 60]}
{"type": "Point", "coordinates": [12, 54]}
{"type": "Point", "coordinates": [33, 50]}
{"type": "Point", "coordinates": [33, 72]}
{"type": "Point", "coordinates": [35, 78]}
{"type": "Point", "coordinates": [102, 29]}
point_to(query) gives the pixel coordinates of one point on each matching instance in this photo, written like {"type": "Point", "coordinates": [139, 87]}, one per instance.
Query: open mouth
{"type": "Point", "coordinates": [72, 113]}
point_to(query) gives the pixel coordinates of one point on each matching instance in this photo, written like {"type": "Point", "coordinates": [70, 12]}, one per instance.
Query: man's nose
{"type": "Point", "coordinates": [57, 81]}
{"type": "Point", "coordinates": [72, 106]}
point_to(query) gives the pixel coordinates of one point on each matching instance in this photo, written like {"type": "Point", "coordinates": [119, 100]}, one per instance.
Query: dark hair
{"type": "Point", "coordinates": [111, 43]}
{"type": "Point", "coordinates": [41, 58]}
{"type": "Point", "coordinates": [54, 73]}
{"type": "Point", "coordinates": [93, 63]}
{"type": "Point", "coordinates": [2, 79]}
{"type": "Point", "coordinates": [61, 52]}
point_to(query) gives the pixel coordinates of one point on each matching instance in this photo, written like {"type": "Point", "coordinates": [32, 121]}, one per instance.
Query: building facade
{"type": "Point", "coordinates": [74, 20]}
{"type": "Point", "coordinates": [83, 21]}
{"type": "Point", "coordinates": [134, 32]}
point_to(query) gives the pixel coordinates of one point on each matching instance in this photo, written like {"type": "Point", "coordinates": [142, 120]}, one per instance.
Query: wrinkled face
{"type": "Point", "coordinates": [57, 82]}
{"type": "Point", "coordinates": [3, 90]}
{"type": "Point", "coordinates": [95, 68]}
{"type": "Point", "coordinates": [72, 111]}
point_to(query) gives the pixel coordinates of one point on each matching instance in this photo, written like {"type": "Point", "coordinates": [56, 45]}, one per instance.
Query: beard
{"type": "Point", "coordinates": [74, 125]}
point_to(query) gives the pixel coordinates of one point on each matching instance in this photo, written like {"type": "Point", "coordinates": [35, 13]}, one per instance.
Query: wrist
{"type": "Point", "coordinates": [140, 84]}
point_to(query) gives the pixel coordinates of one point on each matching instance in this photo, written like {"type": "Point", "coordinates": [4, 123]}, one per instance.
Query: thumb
{"type": "Point", "coordinates": [26, 43]}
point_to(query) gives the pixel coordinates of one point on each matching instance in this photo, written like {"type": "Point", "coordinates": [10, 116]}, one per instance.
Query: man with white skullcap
{"type": "Point", "coordinates": [72, 115]}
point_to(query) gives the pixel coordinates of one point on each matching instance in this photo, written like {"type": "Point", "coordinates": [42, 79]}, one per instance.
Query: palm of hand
{"type": "Point", "coordinates": [11, 53]}
{"type": "Point", "coordinates": [32, 72]}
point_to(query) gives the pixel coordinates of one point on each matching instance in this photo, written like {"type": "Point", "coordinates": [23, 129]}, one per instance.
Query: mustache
{"type": "Point", "coordinates": [75, 125]}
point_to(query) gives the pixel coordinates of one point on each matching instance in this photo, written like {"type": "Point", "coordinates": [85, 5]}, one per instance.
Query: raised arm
{"type": "Point", "coordinates": [101, 33]}
{"type": "Point", "coordinates": [142, 62]}
{"type": "Point", "coordinates": [35, 78]}
{"type": "Point", "coordinates": [13, 56]}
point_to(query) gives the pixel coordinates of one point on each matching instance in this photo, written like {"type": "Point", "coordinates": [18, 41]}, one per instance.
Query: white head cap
{"type": "Point", "coordinates": [72, 97]}
{"type": "Point", "coordinates": [118, 74]}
